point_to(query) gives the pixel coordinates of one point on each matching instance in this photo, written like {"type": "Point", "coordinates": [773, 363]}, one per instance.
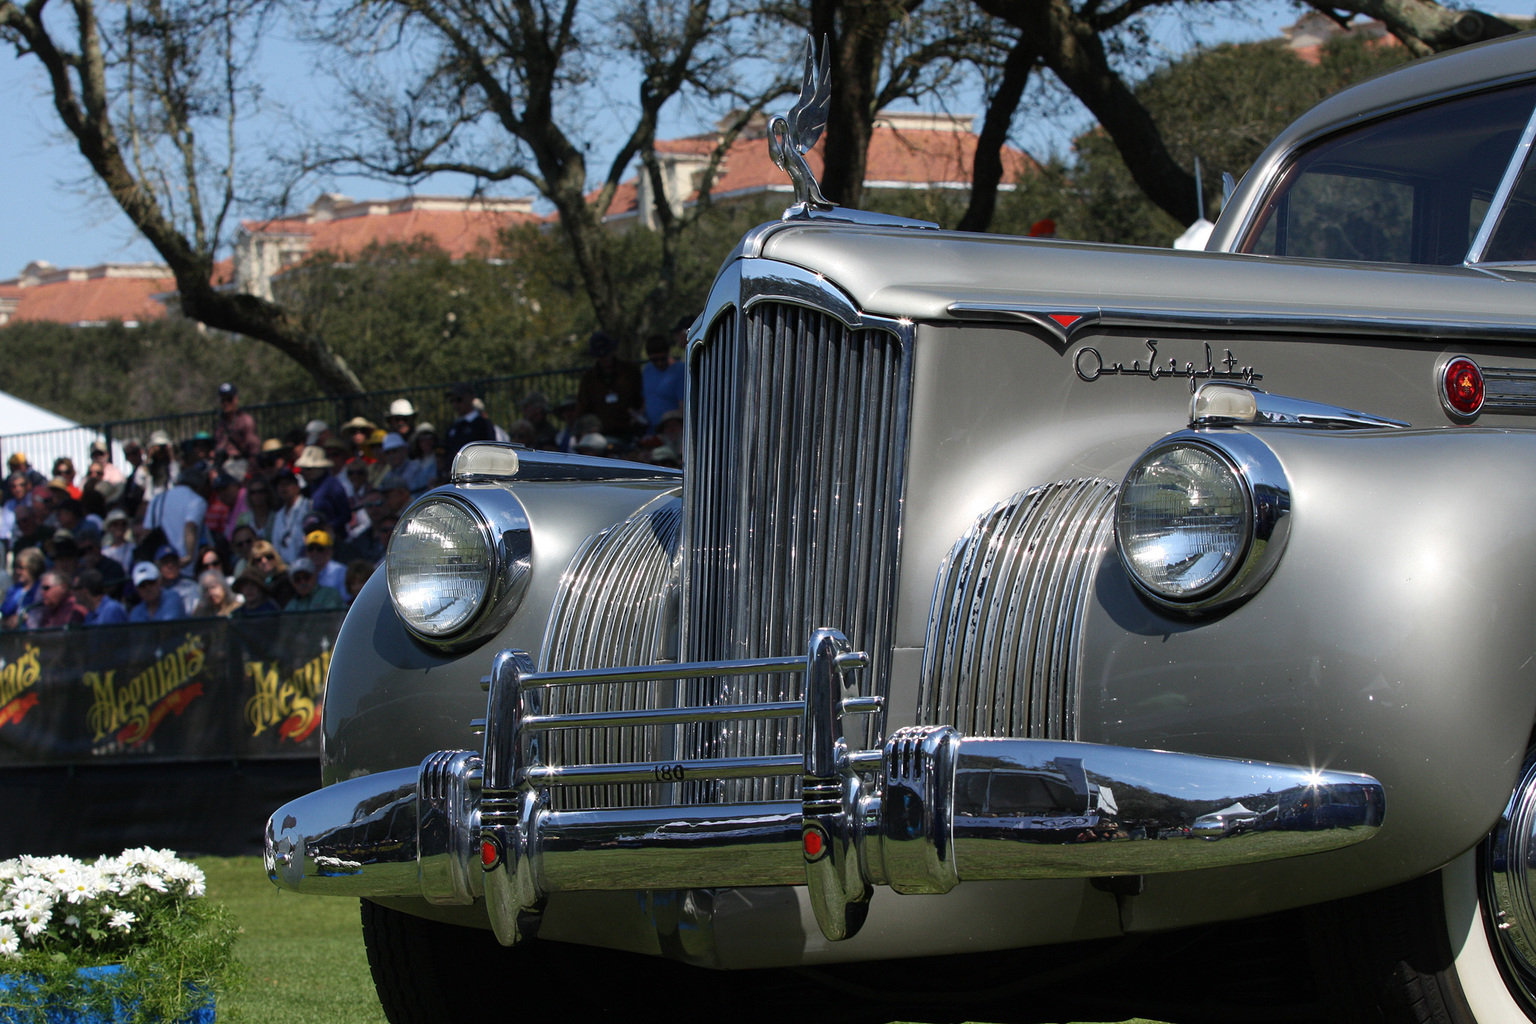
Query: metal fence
{"type": "Point", "coordinates": [503, 398]}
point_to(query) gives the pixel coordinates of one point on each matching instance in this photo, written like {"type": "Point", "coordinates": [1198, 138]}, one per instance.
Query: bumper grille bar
{"type": "Point", "coordinates": [926, 810]}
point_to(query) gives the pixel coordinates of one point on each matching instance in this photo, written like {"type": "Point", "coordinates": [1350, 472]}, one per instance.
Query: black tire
{"type": "Point", "coordinates": [1387, 958]}
{"type": "Point", "coordinates": [1433, 951]}
{"type": "Point", "coordinates": [425, 971]}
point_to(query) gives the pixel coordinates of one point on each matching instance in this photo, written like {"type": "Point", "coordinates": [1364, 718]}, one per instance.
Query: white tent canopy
{"type": "Point", "coordinates": [44, 436]}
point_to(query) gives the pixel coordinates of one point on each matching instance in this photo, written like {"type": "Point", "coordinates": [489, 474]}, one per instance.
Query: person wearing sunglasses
{"type": "Point", "coordinates": [56, 606]}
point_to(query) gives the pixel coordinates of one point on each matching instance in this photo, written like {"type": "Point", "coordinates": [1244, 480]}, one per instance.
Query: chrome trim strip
{"type": "Point", "coordinates": [553, 466]}
{"type": "Point", "coordinates": [1500, 198]}
{"type": "Point", "coordinates": [1032, 311]}
{"type": "Point", "coordinates": [1271, 410]}
{"type": "Point", "coordinates": [663, 716]}
{"type": "Point", "coordinates": [1509, 389]}
{"type": "Point", "coordinates": [717, 768]}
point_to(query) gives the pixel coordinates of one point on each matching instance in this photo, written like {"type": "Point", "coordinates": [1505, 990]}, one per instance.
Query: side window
{"type": "Point", "coordinates": [1350, 217]}
{"type": "Point", "coordinates": [1514, 236]}
{"type": "Point", "coordinates": [1410, 188]}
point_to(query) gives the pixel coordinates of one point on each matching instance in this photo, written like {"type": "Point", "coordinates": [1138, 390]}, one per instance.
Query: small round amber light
{"type": "Point", "coordinates": [1463, 383]}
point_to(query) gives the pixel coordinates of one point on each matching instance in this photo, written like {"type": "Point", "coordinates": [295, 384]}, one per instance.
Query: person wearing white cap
{"type": "Point", "coordinates": [155, 603]}
{"type": "Point", "coordinates": [402, 418]}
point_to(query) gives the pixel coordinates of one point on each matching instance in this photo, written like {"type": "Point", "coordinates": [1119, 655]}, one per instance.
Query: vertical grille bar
{"type": "Point", "coordinates": [611, 610]}
{"type": "Point", "coordinates": [1001, 653]}
{"type": "Point", "coordinates": [791, 519]}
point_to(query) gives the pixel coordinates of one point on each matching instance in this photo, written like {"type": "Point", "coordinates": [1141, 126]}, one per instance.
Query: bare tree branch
{"type": "Point", "coordinates": [168, 77]}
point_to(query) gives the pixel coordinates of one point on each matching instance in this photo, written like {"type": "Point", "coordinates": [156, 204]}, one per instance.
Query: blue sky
{"type": "Point", "coordinates": [47, 209]}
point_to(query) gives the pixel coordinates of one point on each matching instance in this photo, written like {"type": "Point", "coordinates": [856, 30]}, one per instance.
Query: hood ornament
{"type": "Point", "coordinates": [791, 136]}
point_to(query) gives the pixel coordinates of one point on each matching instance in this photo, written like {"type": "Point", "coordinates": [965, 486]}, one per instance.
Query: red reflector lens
{"type": "Point", "coordinates": [1463, 386]}
{"type": "Point", "coordinates": [488, 853]}
{"type": "Point", "coordinates": [813, 843]}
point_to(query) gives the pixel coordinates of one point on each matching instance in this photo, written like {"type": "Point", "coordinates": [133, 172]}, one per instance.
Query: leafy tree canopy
{"type": "Point", "coordinates": [1222, 104]}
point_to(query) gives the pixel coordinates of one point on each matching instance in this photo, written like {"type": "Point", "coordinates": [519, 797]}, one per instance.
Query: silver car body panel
{"type": "Point", "coordinates": [1393, 639]}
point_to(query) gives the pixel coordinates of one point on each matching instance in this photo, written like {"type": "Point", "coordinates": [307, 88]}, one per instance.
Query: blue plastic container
{"type": "Point", "coordinates": [18, 985]}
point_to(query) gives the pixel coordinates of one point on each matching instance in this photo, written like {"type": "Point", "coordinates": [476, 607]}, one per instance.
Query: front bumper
{"type": "Point", "coordinates": [925, 811]}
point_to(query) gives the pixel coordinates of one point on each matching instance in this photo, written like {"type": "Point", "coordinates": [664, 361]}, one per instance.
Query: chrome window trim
{"type": "Point", "coordinates": [1267, 494]}
{"type": "Point", "coordinates": [1272, 170]}
{"type": "Point", "coordinates": [504, 526]}
{"type": "Point", "coordinates": [1501, 197]}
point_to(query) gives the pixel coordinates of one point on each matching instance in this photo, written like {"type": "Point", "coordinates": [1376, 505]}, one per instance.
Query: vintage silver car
{"type": "Point", "coordinates": [1021, 600]}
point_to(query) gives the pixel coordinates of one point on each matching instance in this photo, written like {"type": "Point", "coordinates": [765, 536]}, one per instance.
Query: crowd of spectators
{"type": "Point", "coordinates": [230, 524]}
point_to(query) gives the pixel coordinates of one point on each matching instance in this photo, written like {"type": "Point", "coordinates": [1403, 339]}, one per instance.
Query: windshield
{"type": "Point", "coordinates": [1410, 188]}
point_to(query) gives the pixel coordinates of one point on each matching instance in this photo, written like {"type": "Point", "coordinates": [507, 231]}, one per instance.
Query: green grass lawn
{"type": "Point", "coordinates": [303, 955]}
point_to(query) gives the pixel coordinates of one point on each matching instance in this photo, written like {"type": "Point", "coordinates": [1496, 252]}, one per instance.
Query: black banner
{"type": "Point", "coordinates": [194, 690]}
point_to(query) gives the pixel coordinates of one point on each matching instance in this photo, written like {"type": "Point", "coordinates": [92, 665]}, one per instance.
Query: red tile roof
{"type": "Point", "coordinates": [459, 227]}
{"type": "Point", "coordinates": [91, 296]}
{"type": "Point", "coordinates": [903, 153]}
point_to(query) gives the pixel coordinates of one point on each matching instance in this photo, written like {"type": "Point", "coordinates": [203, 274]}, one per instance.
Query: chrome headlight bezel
{"type": "Point", "coordinates": [502, 523]}
{"type": "Point", "coordinates": [1266, 494]}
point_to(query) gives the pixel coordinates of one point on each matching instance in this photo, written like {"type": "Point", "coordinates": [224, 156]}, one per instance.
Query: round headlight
{"type": "Point", "coordinates": [1182, 524]}
{"type": "Point", "coordinates": [1194, 527]}
{"type": "Point", "coordinates": [439, 568]}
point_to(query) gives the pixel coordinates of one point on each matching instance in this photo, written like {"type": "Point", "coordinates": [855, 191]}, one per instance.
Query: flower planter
{"type": "Point", "coordinates": [122, 940]}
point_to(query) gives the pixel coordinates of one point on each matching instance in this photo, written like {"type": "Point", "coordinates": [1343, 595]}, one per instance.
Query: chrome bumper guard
{"type": "Point", "coordinates": [927, 810]}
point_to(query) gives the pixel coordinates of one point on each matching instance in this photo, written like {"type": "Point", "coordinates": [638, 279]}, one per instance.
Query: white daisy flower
{"type": "Point", "coordinates": [26, 902]}
{"type": "Point", "coordinates": [81, 885]}
{"type": "Point", "coordinates": [122, 920]}
{"type": "Point", "coordinates": [72, 921]}
{"type": "Point", "coordinates": [36, 923]}
{"type": "Point", "coordinates": [10, 943]}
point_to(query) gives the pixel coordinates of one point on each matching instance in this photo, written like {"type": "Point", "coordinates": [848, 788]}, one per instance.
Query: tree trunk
{"type": "Point", "coordinates": [1071, 47]}
{"type": "Point", "coordinates": [856, 31]}
{"type": "Point", "coordinates": [987, 173]}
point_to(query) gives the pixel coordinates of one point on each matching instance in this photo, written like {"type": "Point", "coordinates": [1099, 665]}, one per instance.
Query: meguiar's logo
{"type": "Point", "coordinates": [291, 704]}
{"type": "Point", "coordinates": [16, 680]}
{"type": "Point", "coordinates": [132, 712]}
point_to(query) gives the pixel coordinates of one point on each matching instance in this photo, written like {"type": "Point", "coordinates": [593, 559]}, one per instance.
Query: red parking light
{"type": "Point", "coordinates": [1462, 387]}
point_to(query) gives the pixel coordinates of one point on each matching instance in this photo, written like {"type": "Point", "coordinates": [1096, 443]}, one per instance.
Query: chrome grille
{"type": "Point", "coordinates": [796, 441]}
{"type": "Point", "coordinates": [615, 606]}
{"type": "Point", "coordinates": [1001, 652]}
